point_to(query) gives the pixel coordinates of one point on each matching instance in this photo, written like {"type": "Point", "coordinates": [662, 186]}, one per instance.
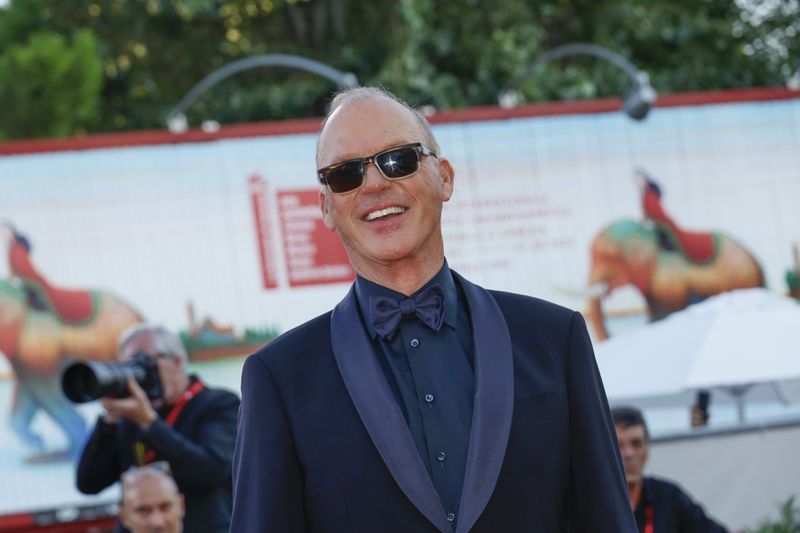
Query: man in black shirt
{"type": "Point", "coordinates": [658, 505]}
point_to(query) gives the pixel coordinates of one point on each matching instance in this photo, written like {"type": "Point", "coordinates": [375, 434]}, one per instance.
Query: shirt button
{"type": "Point", "coordinates": [440, 456]}
{"type": "Point", "coordinates": [414, 343]}
{"type": "Point", "coordinates": [429, 398]}
{"type": "Point", "coordinates": [450, 517]}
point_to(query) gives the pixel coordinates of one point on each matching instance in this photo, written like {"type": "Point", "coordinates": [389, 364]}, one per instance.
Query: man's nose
{"type": "Point", "coordinates": [374, 180]}
{"type": "Point", "coordinates": [625, 451]}
{"type": "Point", "coordinates": [156, 521]}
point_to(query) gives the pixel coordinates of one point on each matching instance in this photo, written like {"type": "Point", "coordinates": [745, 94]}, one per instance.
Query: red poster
{"type": "Point", "coordinates": [314, 255]}
{"type": "Point", "coordinates": [266, 246]}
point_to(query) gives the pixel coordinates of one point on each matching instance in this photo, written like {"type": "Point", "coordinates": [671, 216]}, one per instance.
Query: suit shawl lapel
{"type": "Point", "coordinates": [379, 411]}
{"type": "Point", "coordinates": [494, 402]}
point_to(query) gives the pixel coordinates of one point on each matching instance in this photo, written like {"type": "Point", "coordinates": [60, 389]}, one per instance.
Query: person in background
{"type": "Point", "coordinates": [191, 426]}
{"type": "Point", "coordinates": [697, 247]}
{"type": "Point", "coordinates": [151, 502]}
{"type": "Point", "coordinates": [699, 412]}
{"type": "Point", "coordinates": [659, 506]}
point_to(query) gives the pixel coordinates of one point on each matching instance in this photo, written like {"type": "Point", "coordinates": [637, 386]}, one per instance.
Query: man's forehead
{"type": "Point", "coordinates": [140, 343]}
{"type": "Point", "coordinates": [636, 430]}
{"type": "Point", "coordinates": [361, 127]}
{"type": "Point", "coordinates": [150, 490]}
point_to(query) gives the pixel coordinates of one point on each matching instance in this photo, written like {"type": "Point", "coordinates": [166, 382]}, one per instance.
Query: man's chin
{"type": "Point", "coordinates": [633, 479]}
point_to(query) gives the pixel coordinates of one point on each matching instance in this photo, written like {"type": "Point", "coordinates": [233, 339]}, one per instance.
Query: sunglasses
{"type": "Point", "coordinates": [394, 164]}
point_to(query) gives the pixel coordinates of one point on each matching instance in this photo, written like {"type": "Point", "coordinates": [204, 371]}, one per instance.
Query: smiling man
{"type": "Point", "coordinates": [422, 402]}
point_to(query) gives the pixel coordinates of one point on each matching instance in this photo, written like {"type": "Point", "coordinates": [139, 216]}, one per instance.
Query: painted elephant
{"type": "Point", "coordinates": [628, 253]}
{"type": "Point", "coordinates": [38, 345]}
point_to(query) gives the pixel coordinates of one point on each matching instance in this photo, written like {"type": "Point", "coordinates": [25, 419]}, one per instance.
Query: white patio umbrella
{"type": "Point", "coordinates": [732, 341]}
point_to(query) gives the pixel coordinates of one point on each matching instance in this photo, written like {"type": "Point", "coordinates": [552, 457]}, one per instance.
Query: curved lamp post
{"type": "Point", "coordinates": [176, 118]}
{"type": "Point", "coordinates": [636, 104]}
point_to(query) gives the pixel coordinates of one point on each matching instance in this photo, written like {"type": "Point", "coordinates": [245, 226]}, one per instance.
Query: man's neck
{"type": "Point", "coordinates": [635, 493]}
{"type": "Point", "coordinates": [405, 277]}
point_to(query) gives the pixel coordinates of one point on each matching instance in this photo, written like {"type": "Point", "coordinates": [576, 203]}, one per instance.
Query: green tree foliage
{"type": "Point", "coordinates": [447, 53]}
{"type": "Point", "coordinates": [458, 53]}
{"type": "Point", "coordinates": [49, 85]}
{"type": "Point", "coordinates": [788, 520]}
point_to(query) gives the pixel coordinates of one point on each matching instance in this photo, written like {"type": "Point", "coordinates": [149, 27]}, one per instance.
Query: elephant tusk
{"type": "Point", "coordinates": [597, 290]}
{"type": "Point", "coordinates": [592, 291]}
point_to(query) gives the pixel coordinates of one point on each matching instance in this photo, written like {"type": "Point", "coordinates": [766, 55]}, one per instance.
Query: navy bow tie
{"type": "Point", "coordinates": [386, 313]}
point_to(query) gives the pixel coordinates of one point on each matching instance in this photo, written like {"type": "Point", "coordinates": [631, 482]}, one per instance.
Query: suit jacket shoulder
{"type": "Point", "coordinates": [302, 341]}
{"type": "Point", "coordinates": [535, 322]}
{"type": "Point", "coordinates": [535, 308]}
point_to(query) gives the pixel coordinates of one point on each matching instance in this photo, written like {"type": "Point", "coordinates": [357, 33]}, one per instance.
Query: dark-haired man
{"type": "Point", "coordinates": [659, 505]}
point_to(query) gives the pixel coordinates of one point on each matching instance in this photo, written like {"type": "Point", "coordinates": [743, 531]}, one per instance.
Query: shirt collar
{"type": "Point", "coordinates": [648, 496]}
{"type": "Point", "coordinates": [366, 289]}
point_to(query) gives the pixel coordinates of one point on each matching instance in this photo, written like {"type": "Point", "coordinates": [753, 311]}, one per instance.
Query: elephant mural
{"type": "Point", "coordinates": [628, 253]}
{"type": "Point", "coordinates": [38, 345]}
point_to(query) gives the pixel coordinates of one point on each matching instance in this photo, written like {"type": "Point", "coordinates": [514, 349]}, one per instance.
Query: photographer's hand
{"type": "Point", "coordinates": [136, 408]}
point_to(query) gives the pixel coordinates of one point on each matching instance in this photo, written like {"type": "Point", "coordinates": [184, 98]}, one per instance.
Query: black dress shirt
{"type": "Point", "coordinates": [672, 509]}
{"type": "Point", "coordinates": [431, 376]}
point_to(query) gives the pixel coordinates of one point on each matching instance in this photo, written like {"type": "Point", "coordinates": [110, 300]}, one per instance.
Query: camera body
{"type": "Point", "coordinates": [86, 381]}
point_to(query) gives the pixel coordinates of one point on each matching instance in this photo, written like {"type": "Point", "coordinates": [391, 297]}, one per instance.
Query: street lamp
{"type": "Point", "coordinates": [176, 118]}
{"type": "Point", "coordinates": [636, 104]}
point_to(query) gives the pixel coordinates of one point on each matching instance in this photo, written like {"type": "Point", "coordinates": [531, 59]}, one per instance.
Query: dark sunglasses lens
{"type": "Point", "coordinates": [344, 177]}
{"type": "Point", "coordinates": [398, 163]}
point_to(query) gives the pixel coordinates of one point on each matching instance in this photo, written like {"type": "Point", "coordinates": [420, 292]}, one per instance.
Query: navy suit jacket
{"type": "Point", "coordinates": [323, 445]}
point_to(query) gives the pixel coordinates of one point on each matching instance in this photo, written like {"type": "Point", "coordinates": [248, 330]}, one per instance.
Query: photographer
{"type": "Point", "coordinates": [191, 426]}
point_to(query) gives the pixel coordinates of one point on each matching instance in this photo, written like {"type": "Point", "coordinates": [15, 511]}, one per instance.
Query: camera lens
{"type": "Point", "coordinates": [80, 383]}
{"type": "Point", "coordinates": [89, 380]}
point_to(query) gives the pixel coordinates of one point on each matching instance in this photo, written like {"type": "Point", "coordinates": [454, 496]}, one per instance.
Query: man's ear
{"type": "Point", "coordinates": [325, 207]}
{"type": "Point", "coordinates": [447, 173]}
{"type": "Point", "coordinates": [182, 505]}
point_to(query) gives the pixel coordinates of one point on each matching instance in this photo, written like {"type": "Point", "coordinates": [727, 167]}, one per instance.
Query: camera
{"type": "Point", "coordinates": [89, 380]}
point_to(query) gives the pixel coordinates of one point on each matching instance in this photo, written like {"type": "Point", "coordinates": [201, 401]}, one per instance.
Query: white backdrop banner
{"type": "Point", "coordinates": [225, 238]}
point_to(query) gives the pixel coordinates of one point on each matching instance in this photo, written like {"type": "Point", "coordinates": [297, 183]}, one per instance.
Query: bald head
{"type": "Point", "coordinates": [135, 479]}
{"type": "Point", "coordinates": [361, 94]}
{"type": "Point", "coordinates": [151, 502]}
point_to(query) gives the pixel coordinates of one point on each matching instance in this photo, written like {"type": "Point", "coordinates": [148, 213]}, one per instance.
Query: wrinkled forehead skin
{"type": "Point", "coordinates": [361, 127]}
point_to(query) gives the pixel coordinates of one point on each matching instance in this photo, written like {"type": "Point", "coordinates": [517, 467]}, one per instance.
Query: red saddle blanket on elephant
{"type": "Point", "coordinates": [697, 247]}
{"type": "Point", "coordinates": [73, 306]}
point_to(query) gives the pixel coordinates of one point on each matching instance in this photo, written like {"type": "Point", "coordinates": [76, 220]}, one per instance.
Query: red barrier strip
{"type": "Point", "coordinates": [311, 125]}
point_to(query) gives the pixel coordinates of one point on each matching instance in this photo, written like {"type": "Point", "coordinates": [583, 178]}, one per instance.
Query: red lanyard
{"type": "Point", "coordinates": [187, 395]}
{"type": "Point", "coordinates": [648, 525]}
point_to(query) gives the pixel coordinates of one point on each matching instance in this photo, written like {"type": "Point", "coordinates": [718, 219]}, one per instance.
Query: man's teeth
{"type": "Point", "coordinates": [384, 212]}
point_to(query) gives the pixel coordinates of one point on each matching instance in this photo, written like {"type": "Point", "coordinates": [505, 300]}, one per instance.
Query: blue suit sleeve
{"type": "Point", "coordinates": [598, 496]}
{"type": "Point", "coordinates": [268, 479]}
